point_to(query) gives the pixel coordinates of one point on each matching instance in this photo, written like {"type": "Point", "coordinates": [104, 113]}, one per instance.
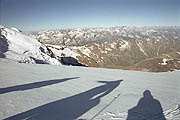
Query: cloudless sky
{"type": "Point", "coordinates": [35, 15]}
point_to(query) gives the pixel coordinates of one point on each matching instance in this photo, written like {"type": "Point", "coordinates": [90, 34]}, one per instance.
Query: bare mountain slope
{"type": "Point", "coordinates": [118, 47]}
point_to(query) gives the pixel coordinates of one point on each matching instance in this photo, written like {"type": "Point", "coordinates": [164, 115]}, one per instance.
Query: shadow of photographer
{"type": "Point", "coordinates": [147, 108]}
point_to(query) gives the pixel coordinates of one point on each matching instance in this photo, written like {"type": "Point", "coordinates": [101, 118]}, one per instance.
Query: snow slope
{"type": "Point", "coordinates": [20, 48]}
{"type": "Point", "coordinates": [62, 51]}
{"type": "Point", "coordinates": [46, 92]}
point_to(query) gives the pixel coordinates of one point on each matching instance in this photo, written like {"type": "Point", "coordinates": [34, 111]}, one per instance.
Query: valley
{"type": "Point", "coordinates": [123, 47]}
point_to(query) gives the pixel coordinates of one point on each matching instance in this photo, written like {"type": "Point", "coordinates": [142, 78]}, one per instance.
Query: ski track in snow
{"type": "Point", "coordinates": [169, 114]}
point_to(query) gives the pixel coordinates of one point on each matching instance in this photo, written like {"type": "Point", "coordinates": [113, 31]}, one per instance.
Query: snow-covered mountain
{"type": "Point", "coordinates": [79, 37]}
{"type": "Point", "coordinates": [134, 48]}
{"type": "Point", "coordinates": [16, 46]}
{"type": "Point", "coordinates": [49, 92]}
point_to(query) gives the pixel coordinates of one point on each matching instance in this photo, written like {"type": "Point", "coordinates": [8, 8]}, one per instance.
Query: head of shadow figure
{"type": "Point", "coordinates": [69, 108]}
{"type": "Point", "coordinates": [147, 108]}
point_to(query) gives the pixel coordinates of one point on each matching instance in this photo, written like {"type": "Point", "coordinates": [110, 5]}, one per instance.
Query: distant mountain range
{"type": "Point", "coordinates": [151, 49]}
{"type": "Point", "coordinates": [136, 48]}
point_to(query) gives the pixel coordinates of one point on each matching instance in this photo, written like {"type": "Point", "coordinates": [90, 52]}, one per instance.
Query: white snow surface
{"type": "Point", "coordinates": [67, 51]}
{"type": "Point", "coordinates": [124, 45]}
{"type": "Point", "coordinates": [47, 92]}
{"type": "Point", "coordinates": [22, 48]}
{"type": "Point", "coordinates": [84, 50]}
{"type": "Point", "coordinates": [164, 61]}
{"type": "Point", "coordinates": [15, 29]}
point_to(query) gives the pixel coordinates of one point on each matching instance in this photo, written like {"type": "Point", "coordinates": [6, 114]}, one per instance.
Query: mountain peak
{"type": "Point", "coordinates": [24, 49]}
{"type": "Point", "coordinates": [15, 29]}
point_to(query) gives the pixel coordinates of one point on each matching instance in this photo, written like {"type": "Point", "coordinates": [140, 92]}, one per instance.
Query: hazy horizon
{"type": "Point", "coordinates": [37, 15]}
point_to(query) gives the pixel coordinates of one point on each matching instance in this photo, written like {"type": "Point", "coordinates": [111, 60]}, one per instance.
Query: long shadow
{"type": "Point", "coordinates": [69, 108]}
{"type": "Point", "coordinates": [33, 85]}
{"type": "Point", "coordinates": [147, 108]}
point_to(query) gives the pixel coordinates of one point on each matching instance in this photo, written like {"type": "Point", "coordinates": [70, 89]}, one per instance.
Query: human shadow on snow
{"type": "Point", "coordinates": [33, 85]}
{"type": "Point", "coordinates": [147, 108]}
{"type": "Point", "coordinates": [69, 108]}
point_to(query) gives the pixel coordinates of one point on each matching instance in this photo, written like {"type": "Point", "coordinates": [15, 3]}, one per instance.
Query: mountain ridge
{"type": "Point", "coordinates": [131, 48]}
{"type": "Point", "coordinates": [118, 47]}
{"type": "Point", "coordinates": [16, 46]}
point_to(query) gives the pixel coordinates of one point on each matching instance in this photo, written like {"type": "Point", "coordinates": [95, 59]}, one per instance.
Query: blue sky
{"type": "Point", "coordinates": [35, 15]}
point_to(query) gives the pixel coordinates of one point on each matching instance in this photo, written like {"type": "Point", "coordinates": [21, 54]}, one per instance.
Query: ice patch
{"type": "Point", "coordinates": [124, 44]}
{"type": "Point", "coordinates": [178, 53]}
{"type": "Point", "coordinates": [84, 50]}
{"type": "Point", "coordinates": [165, 61]}
{"type": "Point", "coordinates": [63, 51]}
{"type": "Point", "coordinates": [108, 49]}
